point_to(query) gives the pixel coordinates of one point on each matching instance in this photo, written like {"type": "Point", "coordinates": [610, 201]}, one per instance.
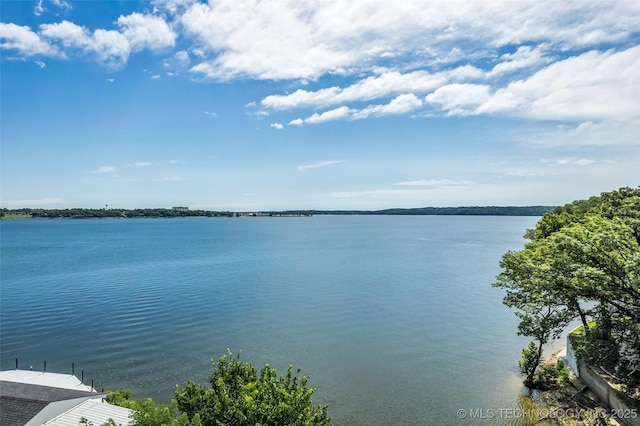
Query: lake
{"type": "Point", "coordinates": [393, 317]}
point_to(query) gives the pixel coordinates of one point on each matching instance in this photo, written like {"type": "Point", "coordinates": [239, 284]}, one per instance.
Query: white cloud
{"type": "Point", "coordinates": [459, 98]}
{"type": "Point", "coordinates": [24, 41]}
{"type": "Point", "coordinates": [524, 57]}
{"type": "Point", "coordinates": [67, 33]}
{"type": "Point", "coordinates": [387, 83]}
{"type": "Point", "coordinates": [178, 62]}
{"type": "Point", "coordinates": [450, 53]}
{"type": "Point", "coordinates": [273, 40]}
{"type": "Point", "coordinates": [109, 47]}
{"type": "Point", "coordinates": [304, 39]}
{"type": "Point", "coordinates": [172, 6]}
{"type": "Point", "coordinates": [146, 32]}
{"type": "Point", "coordinates": [400, 105]}
{"type": "Point", "coordinates": [103, 169]}
{"type": "Point", "coordinates": [317, 164]}
{"type": "Point", "coordinates": [277, 126]}
{"type": "Point", "coordinates": [211, 114]}
{"type": "Point", "coordinates": [594, 85]}
{"type": "Point", "coordinates": [339, 113]}
{"type": "Point", "coordinates": [142, 164]}
{"type": "Point", "coordinates": [41, 64]}
{"type": "Point", "coordinates": [39, 8]}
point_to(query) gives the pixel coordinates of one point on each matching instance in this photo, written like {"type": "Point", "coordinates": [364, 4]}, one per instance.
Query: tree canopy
{"type": "Point", "coordinates": [582, 261]}
{"type": "Point", "coordinates": [238, 396]}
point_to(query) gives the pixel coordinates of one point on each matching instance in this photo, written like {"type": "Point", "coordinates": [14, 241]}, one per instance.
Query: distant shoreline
{"type": "Point", "coordinates": [182, 212]}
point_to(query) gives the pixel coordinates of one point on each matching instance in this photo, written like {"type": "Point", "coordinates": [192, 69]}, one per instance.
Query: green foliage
{"type": "Point", "coordinates": [550, 376]}
{"type": "Point", "coordinates": [240, 396]}
{"type": "Point", "coordinates": [149, 413]}
{"type": "Point", "coordinates": [530, 361]}
{"type": "Point", "coordinates": [583, 254]}
{"type": "Point", "coordinates": [79, 213]}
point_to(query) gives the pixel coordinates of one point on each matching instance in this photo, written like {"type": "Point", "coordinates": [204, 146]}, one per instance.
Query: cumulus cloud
{"type": "Point", "coordinates": [171, 6]}
{"type": "Point", "coordinates": [387, 83]}
{"type": "Point", "coordinates": [272, 40]}
{"type": "Point", "coordinates": [399, 105]}
{"type": "Point", "coordinates": [459, 98]}
{"type": "Point", "coordinates": [67, 33]}
{"type": "Point", "coordinates": [342, 112]}
{"type": "Point", "coordinates": [145, 31]}
{"type": "Point", "coordinates": [455, 56]}
{"type": "Point", "coordinates": [593, 85]}
{"type": "Point", "coordinates": [304, 39]}
{"type": "Point", "coordinates": [24, 41]}
{"type": "Point", "coordinates": [277, 126]}
{"type": "Point", "coordinates": [107, 46]}
{"type": "Point", "coordinates": [523, 57]}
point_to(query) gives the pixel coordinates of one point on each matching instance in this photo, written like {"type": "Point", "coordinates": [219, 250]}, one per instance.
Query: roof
{"type": "Point", "coordinates": [94, 409]}
{"type": "Point", "coordinates": [31, 398]}
{"type": "Point", "coordinates": [56, 380]}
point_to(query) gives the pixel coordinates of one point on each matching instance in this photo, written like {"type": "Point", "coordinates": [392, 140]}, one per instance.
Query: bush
{"type": "Point", "coordinates": [551, 376]}
{"type": "Point", "coordinates": [240, 396]}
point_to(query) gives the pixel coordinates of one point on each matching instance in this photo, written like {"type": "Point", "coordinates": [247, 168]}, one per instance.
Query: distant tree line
{"type": "Point", "coordinates": [82, 213]}
{"type": "Point", "coordinates": [437, 211]}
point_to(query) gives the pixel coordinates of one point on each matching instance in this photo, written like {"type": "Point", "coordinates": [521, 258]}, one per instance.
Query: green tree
{"type": "Point", "coordinates": [240, 396]}
{"type": "Point", "coordinates": [585, 253]}
{"type": "Point", "coordinates": [150, 413]}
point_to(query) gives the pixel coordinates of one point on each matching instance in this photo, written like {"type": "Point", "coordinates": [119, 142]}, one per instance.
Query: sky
{"type": "Point", "coordinates": [317, 104]}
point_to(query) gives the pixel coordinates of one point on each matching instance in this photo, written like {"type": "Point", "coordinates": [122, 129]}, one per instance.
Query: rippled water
{"type": "Point", "coordinates": [393, 317]}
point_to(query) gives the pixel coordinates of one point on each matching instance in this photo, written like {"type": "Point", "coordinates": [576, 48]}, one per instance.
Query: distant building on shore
{"type": "Point", "coordinates": [180, 209]}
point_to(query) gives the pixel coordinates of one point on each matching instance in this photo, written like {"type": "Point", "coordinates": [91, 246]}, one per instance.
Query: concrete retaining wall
{"type": "Point", "coordinates": [599, 383]}
{"type": "Point", "coordinates": [572, 361]}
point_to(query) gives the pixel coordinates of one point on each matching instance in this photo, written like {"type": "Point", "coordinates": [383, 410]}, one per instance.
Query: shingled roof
{"type": "Point", "coordinates": [34, 398]}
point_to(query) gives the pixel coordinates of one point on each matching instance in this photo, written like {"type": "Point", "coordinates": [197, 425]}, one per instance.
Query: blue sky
{"type": "Point", "coordinates": [332, 104]}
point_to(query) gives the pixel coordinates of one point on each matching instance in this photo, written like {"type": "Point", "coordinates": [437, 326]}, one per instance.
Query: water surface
{"type": "Point", "coordinates": [393, 317]}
